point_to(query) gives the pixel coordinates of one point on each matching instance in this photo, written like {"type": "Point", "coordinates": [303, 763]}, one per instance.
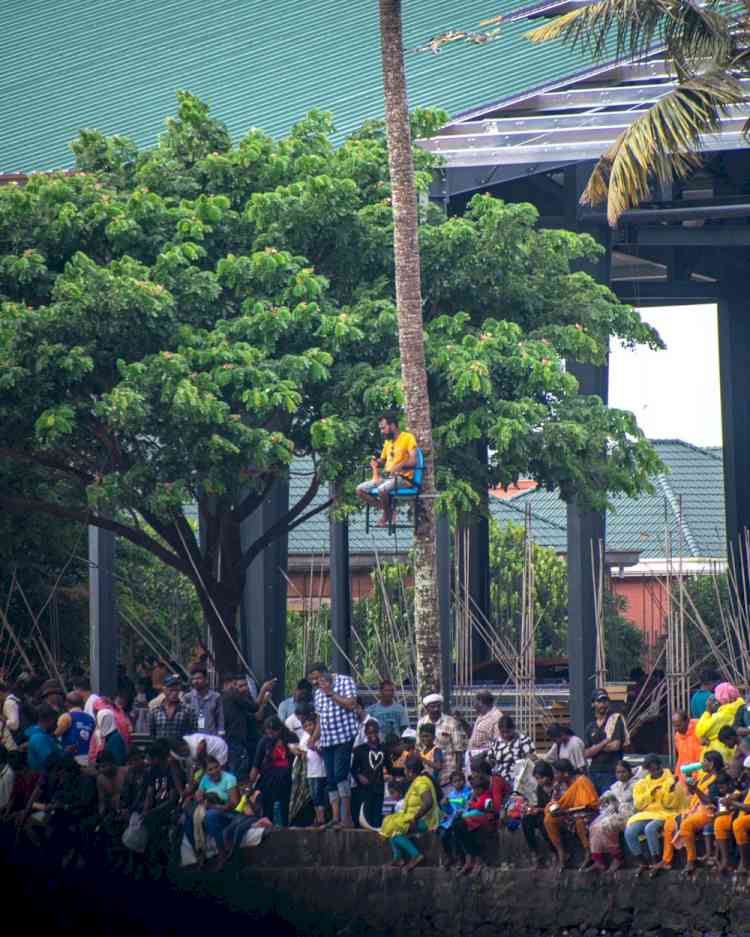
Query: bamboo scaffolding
{"type": "Point", "coordinates": [598, 573]}
{"type": "Point", "coordinates": [526, 658]}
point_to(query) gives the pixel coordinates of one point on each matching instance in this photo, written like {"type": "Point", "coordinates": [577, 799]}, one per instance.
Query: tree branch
{"type": "Point", "coordinates": [281, 526]}
{"type": "Point", "coordinates": [38, 458]}
{"type": "Point", "coordinates": [252, 501]}
{"type": "Point", "coordinates": [137, 537]}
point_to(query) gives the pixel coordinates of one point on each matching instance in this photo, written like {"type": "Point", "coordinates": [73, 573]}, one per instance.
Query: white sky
{"type": "Point", "coordinates": [673, 393]}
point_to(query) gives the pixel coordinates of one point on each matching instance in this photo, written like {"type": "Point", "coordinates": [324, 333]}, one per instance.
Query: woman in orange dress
{"type": "Point", "coordinates": [574, 799]}
{"type": "Point", "coordinates": [680, 831]}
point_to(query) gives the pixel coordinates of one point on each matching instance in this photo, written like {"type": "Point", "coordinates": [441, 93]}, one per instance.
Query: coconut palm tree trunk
{"type": "Point", "coordinates": [411, 338]}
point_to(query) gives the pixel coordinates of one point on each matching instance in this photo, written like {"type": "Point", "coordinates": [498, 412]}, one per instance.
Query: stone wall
{"type": "Point", "coordinates": [340, 883]}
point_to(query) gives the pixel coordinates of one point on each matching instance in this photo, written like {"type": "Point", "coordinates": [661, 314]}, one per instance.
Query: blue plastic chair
{"type": "Point", "coordinates": [405, 488]}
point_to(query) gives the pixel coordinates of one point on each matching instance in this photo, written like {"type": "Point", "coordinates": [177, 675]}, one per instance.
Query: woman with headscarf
{"type": "Point", "coordinates": [721, 710]}
{"type": "Point", "coordinates": [107, 738]}
{"type": "Point", "coordinates": [421, 814]}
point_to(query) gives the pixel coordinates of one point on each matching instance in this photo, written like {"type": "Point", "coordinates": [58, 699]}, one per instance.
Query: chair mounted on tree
{"type": "Point", "coordinates": [407, 490]}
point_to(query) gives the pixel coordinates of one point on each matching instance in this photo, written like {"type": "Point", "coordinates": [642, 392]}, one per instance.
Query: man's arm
{"type": "Point", "coordinates": [219, 715]}
{"type": "Point", "coordinates": [11, 715]}
{"type": "Point", "coordinates": [63, 724]}
{"type": "Point", "coordinates": [347, 701]}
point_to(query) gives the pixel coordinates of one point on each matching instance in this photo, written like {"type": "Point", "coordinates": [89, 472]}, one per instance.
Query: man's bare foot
{"type": "Point", "coordinates": [478, 866]}
{"type": "Point", "coordinates": [587, 864]}
{"type": "Point", "coordinates": [413, 863]}
{"type": "Point", "coordinates": [659, 868]}
{"type": "Point", "coordinates": [615, 866]}
{"type": "Point", "coordinates": [689, 870]}
{"type": "Point", "coordinates": [643, 869]}
{"type": "Point", "coordinates": [467, 868]}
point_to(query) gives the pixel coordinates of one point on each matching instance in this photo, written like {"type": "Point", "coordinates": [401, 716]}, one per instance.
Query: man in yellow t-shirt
{"type": "Point", "coordinates": [398, 458]}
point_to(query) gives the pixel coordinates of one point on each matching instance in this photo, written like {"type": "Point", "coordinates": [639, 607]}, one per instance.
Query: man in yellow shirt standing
{"type": "Point", "coordinates": [398, 458]}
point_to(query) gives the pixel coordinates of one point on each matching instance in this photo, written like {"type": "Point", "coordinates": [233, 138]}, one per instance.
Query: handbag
{"type": "Point", "coordinates": [135, 837]}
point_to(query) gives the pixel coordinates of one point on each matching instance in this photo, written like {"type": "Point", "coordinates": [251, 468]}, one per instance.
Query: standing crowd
{"type": "Point", "coordinates": [160, 770]}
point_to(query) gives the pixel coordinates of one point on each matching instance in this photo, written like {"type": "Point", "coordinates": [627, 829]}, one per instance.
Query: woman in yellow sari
{"type": "Point", "coordinates": [421, 814]}
{"type": "Point", "coordinates": [721, 710]}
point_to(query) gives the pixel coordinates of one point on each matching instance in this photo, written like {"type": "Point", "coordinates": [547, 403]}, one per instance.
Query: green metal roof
{"type": "Point", "coordinates": [695, 474]}
{"type": "Point", "coordinates": [116, 66]}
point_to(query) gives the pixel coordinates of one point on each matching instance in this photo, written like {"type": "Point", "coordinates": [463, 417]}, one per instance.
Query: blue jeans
{"type": "Point", "coordinates": [649, 828]}
{"type": "Point", "coordinates": [317, 788]}
{"type": "Point", "coordinates": [215, 822]}
{"type": "Point", "coordinates": [338, 762]}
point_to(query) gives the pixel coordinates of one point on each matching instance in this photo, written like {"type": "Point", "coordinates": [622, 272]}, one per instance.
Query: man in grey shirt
{"type": "Point", "coordinates": [206, 703]}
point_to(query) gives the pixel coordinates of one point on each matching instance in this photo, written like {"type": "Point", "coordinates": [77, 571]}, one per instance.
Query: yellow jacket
{"type": "Point", "coordinates": [710, 724]}
{"type": "Point", "coordinates": [653, 799]}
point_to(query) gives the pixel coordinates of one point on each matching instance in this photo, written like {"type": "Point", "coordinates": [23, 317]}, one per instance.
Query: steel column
{"type": "Point", "coordinates": [341, 594]}
{"type": "Point", "coordinates": [584, 528]}
{"type": "Point", "coordinates": [734, 362]}
{"type": "Point", "coordinates": [264, 599]}
{"type": "Point", "coordinates": [103, 631]}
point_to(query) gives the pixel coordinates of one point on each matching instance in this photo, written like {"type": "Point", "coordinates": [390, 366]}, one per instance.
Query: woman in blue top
{"type": "Point", "coordinates": [219, 795]}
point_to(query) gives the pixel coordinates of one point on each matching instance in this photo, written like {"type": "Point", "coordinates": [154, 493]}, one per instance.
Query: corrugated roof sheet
{"type": "Point", "coordinates": [116, 66]}
{"type": "Point", "coordinates": [696, 475]}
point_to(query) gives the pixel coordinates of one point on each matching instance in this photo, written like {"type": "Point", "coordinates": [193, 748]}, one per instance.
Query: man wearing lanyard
{"type": "Point", "coordinates": [206, 703]}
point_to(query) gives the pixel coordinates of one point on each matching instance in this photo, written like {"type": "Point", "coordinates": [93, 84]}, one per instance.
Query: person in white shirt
{"type": "Point", "coordinates": [295, 721]}
{"type": "Point", "coordinates": [10, 718]}
{"type": "Point", "coordinates": [565, 744]}
{"type": "Point", "coordinates": [315, 766]}
{"type": "Point", "coordinates": [198, 747]}
{"type": "Point", "coordinates": [83, 688]}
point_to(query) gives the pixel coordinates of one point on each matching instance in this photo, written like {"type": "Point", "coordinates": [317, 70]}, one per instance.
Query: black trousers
{"type": "Point", "coordinates": [533, 826]}
{"type": "Point", "coordinates": [372, 798]}
{"type": "Point", "coordinates": [276, 788]}
{"type": "Point", "coordinates": [458, 841]}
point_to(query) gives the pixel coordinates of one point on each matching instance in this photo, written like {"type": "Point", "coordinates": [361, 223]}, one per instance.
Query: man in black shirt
{"type": "Point", "coordinates": [605, 738]}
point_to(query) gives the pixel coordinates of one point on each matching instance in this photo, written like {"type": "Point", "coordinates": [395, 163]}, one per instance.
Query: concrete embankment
{"type": "Point", "coordinates": [329, 882]}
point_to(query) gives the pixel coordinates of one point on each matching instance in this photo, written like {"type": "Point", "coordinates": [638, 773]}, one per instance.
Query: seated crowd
{"type": "Point", "coordinates": [158, 771]}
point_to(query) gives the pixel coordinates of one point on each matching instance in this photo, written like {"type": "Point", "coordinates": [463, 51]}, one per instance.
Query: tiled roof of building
{"type": "Point", "coordinates": [633, 524]}
{"type": "Point", "coordinates": [116, 66]}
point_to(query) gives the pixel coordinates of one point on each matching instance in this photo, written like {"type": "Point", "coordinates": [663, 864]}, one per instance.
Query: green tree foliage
{"type": "Point", "coordinates": [177, 323]}
{"type": "Point", "coordinates": [623, 641]}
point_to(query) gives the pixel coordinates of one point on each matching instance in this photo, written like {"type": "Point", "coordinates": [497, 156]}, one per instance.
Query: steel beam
{"type": "Point", "coordinates": [103, 630]}
{"type": "Point", "coordinates": [648, 293]}
{"type": "Point", "coordinates": [341, 594]}
{"type": "Point", "coordinates": [264, 599]}
{"type": "Point", "coordinates": [734, 363]}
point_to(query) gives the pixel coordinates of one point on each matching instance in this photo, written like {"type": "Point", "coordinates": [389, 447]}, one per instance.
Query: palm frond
{"type": "Point", "coordinates": [662, 143]}
{"type": "Point", "coordinates": [690, 32]}
{"type": "Point", "coordinates": [631, 26]}
{"type": "Point", "coordinates": [693, 34]}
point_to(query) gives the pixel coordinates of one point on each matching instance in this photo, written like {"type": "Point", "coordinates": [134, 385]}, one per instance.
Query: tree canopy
{"type": "Point", "coordinates": [177, 323]}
